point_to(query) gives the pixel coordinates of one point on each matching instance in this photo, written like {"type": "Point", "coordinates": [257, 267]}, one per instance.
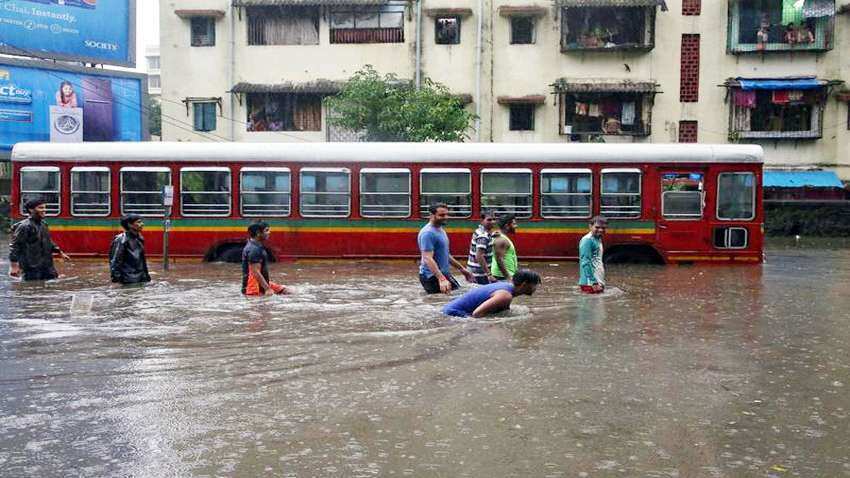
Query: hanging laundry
{"type": "Point", "coordinates": [792, 11]}
{"type": "Point", "coordinates": [780, 97]}
{"type": "Point", "coordinates": [628, 115]}
{"type": "Point", "coordinates": [818, 8]}
{"type": "Point", "coordinates": [593, 110]}
{"type": "Point", "coordinates": [745, 99]}
{"type": "Point", "coordinates": [609, 107]}
{"type": "Point", "coordinates": [581, 109]}
{"type": "Point", "coordinates": [795, 96]}
{"type": "Point", "coordinates": [742, 119]}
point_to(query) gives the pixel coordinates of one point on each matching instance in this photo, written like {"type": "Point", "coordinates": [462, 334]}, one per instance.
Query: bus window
{"type": "Point", "coordinates": [620, 193]}
{"type": "Point", "coordinates": [736, 196]}
{"type": "Point", "coordinates": [265, 191]}
{"type": "Point", "coordinates": [385, 192]}
{"type": "Point", "coordinates": [90, 191]}
{"type": "Point", "coordinates": [41, 182]}
{"type": "Point", "coordinates": [325, 192]}
{"type": "Point", "coordinates": [730, 238]}
{"type": "Point", "coordinates": [506, 191]}
{"type": "Point", "coordinates": [565, 193]}
{"type": "Point", "coordinates": [450, 186]}
{"type": "Point", "coordinates": [141, 190]}
{"type": "Point", "coordinates": [682, 195]}
{"type": "Point", "coordinates": [205, 191]}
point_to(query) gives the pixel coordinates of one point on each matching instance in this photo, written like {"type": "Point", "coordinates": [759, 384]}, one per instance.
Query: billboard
{"type": "Point", "coordinates": [44, 103]}
{"type": "Point", "coordinates": [89, 31]}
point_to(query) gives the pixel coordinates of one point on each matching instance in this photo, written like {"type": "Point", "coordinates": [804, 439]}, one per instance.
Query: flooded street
{"type": "Point", "coordinates": [680, 371]}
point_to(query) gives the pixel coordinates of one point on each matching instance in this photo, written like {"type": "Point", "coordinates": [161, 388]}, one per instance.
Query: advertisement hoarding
{"type": "Point", "coordinates": [41, 102]}
{"type": "Point", "coordinates": [89, 31]}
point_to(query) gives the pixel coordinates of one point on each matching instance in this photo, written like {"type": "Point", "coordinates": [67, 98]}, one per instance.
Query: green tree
{"type": "Point", "coordinates": [154, 117]}
{"type": "Point", "coordinates": [386, 108]}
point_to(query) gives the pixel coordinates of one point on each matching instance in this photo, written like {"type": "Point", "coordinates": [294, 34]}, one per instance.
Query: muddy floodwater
{"type": "Point", "coordinates": [679, 371]}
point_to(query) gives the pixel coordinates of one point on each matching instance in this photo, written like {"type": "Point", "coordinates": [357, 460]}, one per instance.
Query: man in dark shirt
{"type": "Point", "coordinates": [31, 249]}
{"type": "Point", "coordinates": [255, 271]}
{"type": "Point", "coordinates": [127, 262]}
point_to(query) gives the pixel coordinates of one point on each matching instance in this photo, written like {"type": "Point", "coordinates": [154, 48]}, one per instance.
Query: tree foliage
{"type": "Point", "coordinates": [154, 117]}
{"type": "Point", "coordinates": [386, 108]}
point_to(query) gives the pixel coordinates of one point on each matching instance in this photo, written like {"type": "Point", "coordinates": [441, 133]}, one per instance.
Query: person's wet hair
{"type": "Point", "coordinates": [525, 276]}
{"type": "Point", "coordinates": [599, 221]}
{"type": "Point", "coordinates": [33, 203]}
{"type": "Point", "coordinates": [257, 228]}
{"type": "Point", "coordinates": [506, 219]}
{"type": "Point", "coordinates": [129, 219]}
{"type": "Point", "coordinates": [433, 207]}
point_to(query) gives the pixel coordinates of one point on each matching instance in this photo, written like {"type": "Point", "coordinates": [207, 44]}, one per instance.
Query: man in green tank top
{"type": "Point", "coordinates": [504, 263]}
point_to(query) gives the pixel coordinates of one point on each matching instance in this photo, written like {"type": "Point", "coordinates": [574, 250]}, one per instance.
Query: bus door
{"type": "Point", "coordinates": [681, 217]}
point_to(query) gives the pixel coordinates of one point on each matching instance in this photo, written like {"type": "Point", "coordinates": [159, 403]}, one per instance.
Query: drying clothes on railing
{"type": "Point", "coordinates": [780, 97]}
{"type": "Point", "coordinates": [628, 115]}
{"type": "Point", "coordinates": [745, 99]}
{"type": "Point", "coordinates": [795, 96]}
{"type": "Point", "coordinates": [742, 119]}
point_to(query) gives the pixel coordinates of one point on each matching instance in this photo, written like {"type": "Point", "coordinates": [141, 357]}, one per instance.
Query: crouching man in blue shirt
{"type": "Point", "coordinates": [493, 298]}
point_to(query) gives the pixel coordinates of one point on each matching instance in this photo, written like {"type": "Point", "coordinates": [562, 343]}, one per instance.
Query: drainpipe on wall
{"type": "Point", "coordinates": [478, 66]}
{"type": "Point", "coordinates": [232, 75]}
{"type": "Point", "coordinates": [418, 44]}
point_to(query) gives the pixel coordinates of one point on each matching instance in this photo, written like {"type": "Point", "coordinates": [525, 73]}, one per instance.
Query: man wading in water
{"type": "Point", "coordinates": [591, 270]}
{"type": "Point", "coordinates": [127, 262]}
{"type": "Point", "coordinates": [255, 271]}
{"type": "Point", "coordinates": [504, 263]}
{"type": "Point", "coordinates": [434, 273]}
{"type": "Point", "coordinates": [492, 298]}
{"type": "Point", "coordinates": [31, 250]}
{"type": "Point", "coordinates": [481, 250]}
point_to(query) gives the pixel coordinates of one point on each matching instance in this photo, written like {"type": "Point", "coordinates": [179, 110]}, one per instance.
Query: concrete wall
{"type": "Point", "coordinates": [507, 70]}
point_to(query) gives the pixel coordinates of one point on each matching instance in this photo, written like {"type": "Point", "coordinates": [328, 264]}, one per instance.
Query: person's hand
{"type": "Point", "coordinates": [597, 287]}
{"type": "Point", "coordinates": [65, 257]}
{"type": "Point", "coordinates": [468, 275]}
{"type": "Point", "coordinates": [491, 279]}
{"type": "Point", "coordinates": [445, 285]}
{"type": "Point", "coordinates": [269, 291]}
{"type": "Point", "coordinates": [14, 270]}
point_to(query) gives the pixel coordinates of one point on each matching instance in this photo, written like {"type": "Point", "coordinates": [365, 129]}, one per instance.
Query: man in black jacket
{"type": "Point", "coordinates": [31, 249]}
{"type": "Point", "coordinates": [127, 263]}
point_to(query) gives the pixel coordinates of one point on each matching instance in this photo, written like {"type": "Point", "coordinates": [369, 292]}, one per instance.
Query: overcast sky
{"type": "Point", "coordinates": [147, 29]}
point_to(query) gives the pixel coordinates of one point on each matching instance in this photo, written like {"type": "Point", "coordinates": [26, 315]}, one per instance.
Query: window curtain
{"type": "Point", "coordinates": [308, 113]}
{"type": "Point", "coordinates": [283, 26]}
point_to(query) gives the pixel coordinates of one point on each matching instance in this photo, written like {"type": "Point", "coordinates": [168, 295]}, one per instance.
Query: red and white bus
{"type": "Point", "coordinates": [666, 203]}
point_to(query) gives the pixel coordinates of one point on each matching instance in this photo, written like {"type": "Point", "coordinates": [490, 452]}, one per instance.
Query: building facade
{"type": "Point", "coordinates": [757, 71]}
{"type": "Point", "coordinates": [152, 63]}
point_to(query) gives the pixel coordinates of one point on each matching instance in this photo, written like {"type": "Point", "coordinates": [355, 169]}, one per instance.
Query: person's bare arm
{"type": "Point", "coordinates": [462, 268]}
{"type": "Point", "coordinates": [256, 270]}
{"type": "Point", "coordinates": [500, 248]}
{"type": "Point", "coordinates": [481, 259]}
{"type": "Point", "coordinates": [499, 301]}
{"type": "Point", "coordinates": [431, 264]}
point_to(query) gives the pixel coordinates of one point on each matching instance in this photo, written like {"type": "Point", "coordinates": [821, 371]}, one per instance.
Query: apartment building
{"type": "Point", "coordinates": [763, 71]}
{"type": "Point", "coordinates": [153, 70]}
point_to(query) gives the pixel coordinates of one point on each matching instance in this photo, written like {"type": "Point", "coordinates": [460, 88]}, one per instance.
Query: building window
{"type": "Point", "coordinates": [447, 30]}
{"type": "Point", "coordinates": [90, 191]}
{"type": "Point", "coordinates": [278, 25]}
{"type": "Point", "coordinates": [385, 192]}
{"type": "Point", "coordinates": [325, 192]}
{"type": "Point", "coordinates": [736, 196]}
{"type": "Point", "coordinates": [620, 198]}
{"type": "Point", "coordinates": [691, 7]}
{"type": "Point", "coordinates": [607, 28]}
{"type": "Point", "coordinates": [565, 193]}
{"type": "Point", "coordinates": [506, 191]}
{"type": "Point", "coordinates": [153, 63]}
{"type": "Point", "coordinates": [154, 81]}
{"type": "Point", "coordinates": [688, 131]}
{"type": "Point", "coordinates": [521, 117]}
{"type": "Point", "coordinates": [265, 191]}
{"type": "Point", "coordinates": [205, 191]}
{"type": "Point", "coordinates": [522, 30]}
{"type": "Point", "coordinates": [606, 113]}
{"type": "Point", "coordinates": [141, 190]}
{"type": "Point", "coordinates": [204, 116]}
{"type": "Point", "coordinates": [203, 31]}
{"type": "Point", "coordinates": [777, 114]}
{"type": "Point", "coordinates": [284, 112]}
{"type": "Point", "coordinates": [41, 182]}
{"type": "Point", "coordinates": [682, 195]}
{"type": "Point", "coordinates": [450, 186]}
{"type": "Point", "coordinates": [368, 25]}
{"type": "Point", "coordinates": [787, 25]}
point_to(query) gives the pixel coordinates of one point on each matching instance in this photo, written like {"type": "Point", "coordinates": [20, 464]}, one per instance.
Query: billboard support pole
{"type": "Point", "coordinates": [168, 202]}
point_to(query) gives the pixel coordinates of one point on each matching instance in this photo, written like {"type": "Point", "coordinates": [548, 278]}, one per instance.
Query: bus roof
{"type": "Point", "coordinates": [491, 153]}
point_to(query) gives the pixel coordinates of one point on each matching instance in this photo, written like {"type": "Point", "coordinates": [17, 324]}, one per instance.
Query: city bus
{"type": "Point", "coordinates": [665, 203]}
